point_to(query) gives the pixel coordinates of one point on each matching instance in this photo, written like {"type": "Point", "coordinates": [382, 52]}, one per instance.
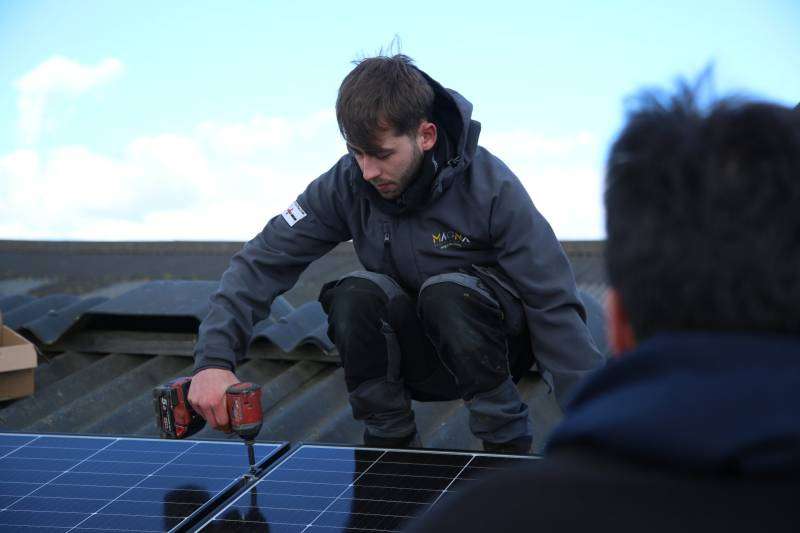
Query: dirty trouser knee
{"type": "Point", "coordinates": [357, 323]}
{"type": "Point", "coordinates": [465, 323]}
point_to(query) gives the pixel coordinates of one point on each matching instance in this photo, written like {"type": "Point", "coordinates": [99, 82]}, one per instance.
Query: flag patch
{"type": "Point", "coordinates": [293, 214]}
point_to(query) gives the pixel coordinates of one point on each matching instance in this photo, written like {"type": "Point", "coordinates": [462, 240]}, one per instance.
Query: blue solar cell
{"type": "Point", "coordinates": [130, 523]}
{"type": "Point", "coordinates": [186, 495]}
{"type": "Point", "coordinates": [25, 476]}
{"type": "Point", "coordinates": [17, 489]}
{"type": "Point", "coordinates": [312, 476]}
{"type": "Point", "coordinates": [72, 504]}
{"type": "Point", "coordinates": [137, 508]}
{"type": "Point", "coordinates": [142, 456]}
{"type": "Point", "coordinates": [155, 446]}
{"type": "Point", "coordinates": [5, 450]}
{"type": "Point", "coordinates": [206, 459]}
{"type": "Point", "coordinates": [110, 467]}
{"type": "Point", "coordinates": [35, 518]}
{"type": "Point", "coordinates": [106, 480]}
{"type": "Point", "coordinates": [14, 440]}
{"type": "Point", "coordinates": [99, 483]}
{"type": "Point", "coordinates": [177, 482]}
{"type": "Point", "coordinates": [83, 443]}
{"type": "Point", "coordinates": [222, 472]}
{"type": "Point", "coordinates": [284, 501]}
{"type": "Point", "coordinates": [95, 492]}
{"type": "Point", "coordinates": [334, 489]}
{"type": "Point", "coordinates": [48, 465]}
{"type": "Point", "coordinates": [30, 452]}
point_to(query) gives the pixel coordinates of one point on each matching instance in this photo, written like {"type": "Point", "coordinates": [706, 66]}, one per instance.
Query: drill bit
{"type": "Point", "coordinates": [251, 458]}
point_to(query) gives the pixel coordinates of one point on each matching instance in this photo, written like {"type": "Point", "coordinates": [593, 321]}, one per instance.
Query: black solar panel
{"type": "Point", "coordinates": [329, 489]}
{"type": "Point", "coordinates": [71, 483]}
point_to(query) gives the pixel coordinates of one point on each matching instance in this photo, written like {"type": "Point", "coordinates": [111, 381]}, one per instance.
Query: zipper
{"type": "Point", "coordinates": [388, 257]}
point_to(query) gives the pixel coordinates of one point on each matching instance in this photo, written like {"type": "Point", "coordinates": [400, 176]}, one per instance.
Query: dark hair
{"type": "Point", "coordinates": [703, 215]}
{"type": "Point", "coordinates": [380, 93]}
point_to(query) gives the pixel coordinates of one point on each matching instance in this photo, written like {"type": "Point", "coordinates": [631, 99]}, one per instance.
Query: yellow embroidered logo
{"type": "Point", "coordinates": [450, 239]}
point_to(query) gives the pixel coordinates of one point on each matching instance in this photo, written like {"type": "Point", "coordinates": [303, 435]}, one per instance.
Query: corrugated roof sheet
{"type": "Point", "coordinates": [100, 380]}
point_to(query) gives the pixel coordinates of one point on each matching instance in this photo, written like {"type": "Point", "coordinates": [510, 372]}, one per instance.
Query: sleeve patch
{"type": "Point", "coordinates": [293, 214]}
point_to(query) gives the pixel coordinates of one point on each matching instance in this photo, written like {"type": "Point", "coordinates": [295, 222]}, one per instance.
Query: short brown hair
{"type": "Point", "coordinates": [701, 214]}
{"type": "Point", "coordinates": [380, 93]}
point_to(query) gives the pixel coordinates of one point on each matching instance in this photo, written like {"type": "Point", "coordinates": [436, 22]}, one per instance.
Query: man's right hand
{"type": "Point", "coordinates": [207, 395]}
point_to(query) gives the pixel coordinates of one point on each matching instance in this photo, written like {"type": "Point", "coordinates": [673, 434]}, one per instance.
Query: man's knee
{"type": "Point", "coordinates": [465, 323]}
{"type": "Point", "coordinates": [350, 302]}
{"type": "Point", "coordinates": [354, 299]}
{"type": "Point", "coordinates": [356, 304]}
{"type": "Point", "coordinates": [455, 301]}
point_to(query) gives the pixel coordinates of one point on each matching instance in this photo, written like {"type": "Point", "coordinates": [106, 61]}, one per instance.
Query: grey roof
{"type": "Point", "coordinates": [106, 341]}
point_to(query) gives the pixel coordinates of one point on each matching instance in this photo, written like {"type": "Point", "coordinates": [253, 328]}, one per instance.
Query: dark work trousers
{"type": "Point", "coordinates": [450, 341]}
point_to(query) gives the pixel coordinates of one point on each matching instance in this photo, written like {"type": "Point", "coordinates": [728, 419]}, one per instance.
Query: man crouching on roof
{"type": "Point", "coordinates": [464, 286]}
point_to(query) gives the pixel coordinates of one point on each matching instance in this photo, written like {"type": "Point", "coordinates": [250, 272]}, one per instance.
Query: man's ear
{"type": "Point", "coordinates": [620, 331]}
{"type": "Point", "coordinates": [426, 135]}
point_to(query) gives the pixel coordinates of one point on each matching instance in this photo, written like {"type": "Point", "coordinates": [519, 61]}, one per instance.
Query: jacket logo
{"type": "Point", "coordinates": [293, 214]}
{"type": "Point", "coordinates": [450, 239]}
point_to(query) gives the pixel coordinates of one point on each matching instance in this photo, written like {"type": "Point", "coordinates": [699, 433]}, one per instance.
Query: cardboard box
{"type": "Point", "coordinates": [17, 364]}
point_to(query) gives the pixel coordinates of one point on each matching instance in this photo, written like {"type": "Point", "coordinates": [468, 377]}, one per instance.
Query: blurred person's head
{"type": "Point", "coordinates": [703, 218]}
{"type": "Point", "coordinates": [384, 110]}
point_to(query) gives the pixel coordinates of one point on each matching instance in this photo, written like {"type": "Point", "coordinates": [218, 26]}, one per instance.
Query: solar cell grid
{"type": "Point", "coordinates": [331, 489]}
{"type": "Point", "coordinates": [72, 483]}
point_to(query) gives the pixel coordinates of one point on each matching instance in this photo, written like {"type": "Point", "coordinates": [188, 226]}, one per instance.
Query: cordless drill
{"type": "Point", "coordinates": [177, 419]}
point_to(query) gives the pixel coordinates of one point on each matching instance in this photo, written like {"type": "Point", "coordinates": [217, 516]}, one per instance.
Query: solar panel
{"type": "Point", "coordinates": [73, 483]}
{"type": "Point", "coordinates": [329, 489]}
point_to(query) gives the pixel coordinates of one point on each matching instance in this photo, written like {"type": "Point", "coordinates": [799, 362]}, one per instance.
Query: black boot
{"type": "Point", "coordinates": [519, 446]}
{"type": "Point", "coordinates": [409, 441]}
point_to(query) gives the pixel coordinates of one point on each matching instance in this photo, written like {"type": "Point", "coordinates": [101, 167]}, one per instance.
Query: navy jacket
{"type": "Point", "coordinates": [466, 208]}
{"type": "Point", "coordinates": [690, 432]}
{"type": "Point", "coordinates": [722, 404]}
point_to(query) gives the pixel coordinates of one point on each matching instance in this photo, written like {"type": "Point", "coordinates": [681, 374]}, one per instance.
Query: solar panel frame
{"type": "Point", "coordinates": [455, 467]}
{"type": "Point", "coordinates": [83, 451]}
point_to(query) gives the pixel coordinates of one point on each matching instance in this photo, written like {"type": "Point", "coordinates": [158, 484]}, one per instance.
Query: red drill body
{"type": "Point", "coordinates": [244, 413]}
{"type": "Point", "coordinates": [244, 409]}
{"type": "Point", "coordinates": [177, 419]}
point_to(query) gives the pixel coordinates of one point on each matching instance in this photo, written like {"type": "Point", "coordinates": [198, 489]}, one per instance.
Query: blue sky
{"type": "Point", "coordinates": [158, 121]}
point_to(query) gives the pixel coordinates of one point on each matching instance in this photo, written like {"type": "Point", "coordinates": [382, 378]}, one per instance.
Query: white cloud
{"type": "Point", "coordinates": [57, 75]}
{"type": "Point", "coordinates": [198, 185]}
{"type": "Point", "coordinates": [263, 133]}
{"type": "Point", "coordinates": [225, 180]}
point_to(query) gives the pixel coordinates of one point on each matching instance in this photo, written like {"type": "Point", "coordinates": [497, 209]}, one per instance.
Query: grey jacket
{"type": "Point", "coordinates": [466, 208]}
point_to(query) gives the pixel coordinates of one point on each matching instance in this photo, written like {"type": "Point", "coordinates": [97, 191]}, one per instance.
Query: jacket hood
{"type": "Point", "coordinates": [455, 148]}
{"type": "Point", "coordinates": [706, 402]}
{"type": "Point", "coordinates": [454, 113]}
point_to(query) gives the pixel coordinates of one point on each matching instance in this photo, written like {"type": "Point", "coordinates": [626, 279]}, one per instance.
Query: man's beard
{"type": "Point", "coordinates": [413, 169]}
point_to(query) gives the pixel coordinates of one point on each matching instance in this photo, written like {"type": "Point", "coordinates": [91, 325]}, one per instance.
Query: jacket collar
{"type": "Point", "coordinates": [711, 402]}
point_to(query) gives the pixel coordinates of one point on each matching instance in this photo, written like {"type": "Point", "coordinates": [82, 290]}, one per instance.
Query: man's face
{"type": "Point", "coordinates": [393, 162]}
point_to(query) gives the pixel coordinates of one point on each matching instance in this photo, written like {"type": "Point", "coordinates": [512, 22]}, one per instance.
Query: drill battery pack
{"type": "Point", "coordinates": [174, 415]}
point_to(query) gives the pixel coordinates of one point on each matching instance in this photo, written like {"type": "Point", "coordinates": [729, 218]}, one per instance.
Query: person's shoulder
{"type": "Point", "coordinates": [490, 181]}
{"type": "Point", "coordinates": [489, 174]}
{"type": "Point", "coordinates": [341, 172]}
{"type": "Point", "coordinates": [337, 180]}
{"type": "Point", "coordinates": [490, 165]}
{"type": "Point", "coordinates": [583, 492]}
